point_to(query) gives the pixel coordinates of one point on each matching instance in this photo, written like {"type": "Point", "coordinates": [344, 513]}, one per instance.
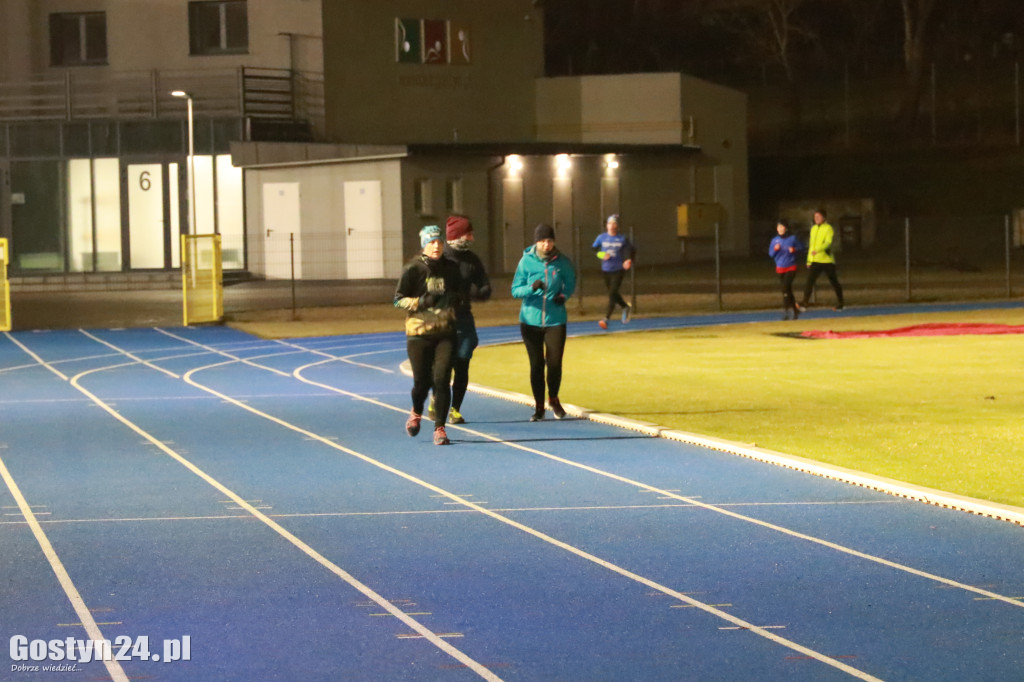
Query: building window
{"type": "Point", "coordinates": [218, 27]}
{"type": "Point", "coordinates": [453, 195]}
{"type": "Point", "coordinates": [421, 197]}
{"type": "Point", "coordinates": [78, 39]}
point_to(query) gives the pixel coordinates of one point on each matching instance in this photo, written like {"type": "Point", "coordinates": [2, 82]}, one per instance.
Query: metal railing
{"type": "Point", "coordinates": [279, 94]}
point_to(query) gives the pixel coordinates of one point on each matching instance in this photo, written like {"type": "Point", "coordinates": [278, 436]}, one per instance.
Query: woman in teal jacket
{"type": "Point", "coordinates": [544, 280]}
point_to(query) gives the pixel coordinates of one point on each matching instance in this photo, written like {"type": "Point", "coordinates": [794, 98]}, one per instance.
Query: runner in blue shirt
{"type": "Point", "coordinates": [616, 253]}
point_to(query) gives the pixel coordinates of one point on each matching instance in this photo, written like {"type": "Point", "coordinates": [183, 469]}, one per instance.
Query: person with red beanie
{"type": "Point", "coordinates": [475, 286]}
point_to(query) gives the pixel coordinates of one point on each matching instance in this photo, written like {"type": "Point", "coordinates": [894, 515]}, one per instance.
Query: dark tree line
{"type": "Point", "coordinates": [793, 43]}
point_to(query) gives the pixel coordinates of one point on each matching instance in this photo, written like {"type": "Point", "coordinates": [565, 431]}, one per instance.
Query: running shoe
{"type": "Point", "coordinates": [440, 437]}
{"type": "Point", "coordinates": [627, 312]}
{"type": "Point", "coordinates": [839, 307]}
{"type": "Point", "coordinates": [603, 324]}
{"type": "Point", "coordinates": [455, 417]}
{"type": "Point", "coordinates": [412, 426]}
{"type": "Point", "coordinates": [557, 408]}
{"type": "Point", "coordinates": [538, 414]}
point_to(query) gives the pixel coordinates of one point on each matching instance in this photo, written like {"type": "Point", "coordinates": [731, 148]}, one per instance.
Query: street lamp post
{"type": "Point", "coordinates": [191, 161]}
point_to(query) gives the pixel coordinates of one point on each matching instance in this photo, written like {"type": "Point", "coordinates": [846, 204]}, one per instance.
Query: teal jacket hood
{"type": "Point", "coordinates": [543, 306]}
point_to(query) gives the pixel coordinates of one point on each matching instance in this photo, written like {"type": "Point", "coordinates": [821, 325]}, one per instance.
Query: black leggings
{"type": "Point", "coordinates": [815, 269]}
{"type": "Point", "coordinates": [613, 281]}
{"type": "Point", "coordinates": [537, 340]}
{"type": "Point", "coordinates": [431, 360]}
{"type": "Point", "coordinates": [786, 282]}
{"type": "Point", "coordinates": [460, 382]}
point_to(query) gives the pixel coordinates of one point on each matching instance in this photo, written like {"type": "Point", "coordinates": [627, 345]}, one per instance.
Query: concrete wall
{"type": "Point", "coordinates": [154, 35]}
{"type": "Point", "coordinates": [645, 190]}
{"type": "Point", "coordinates": [676, 109]}
{"type": "Point", "coordinates": [16, 39]}
{"type": "Point", "coordinates": [609, 109]}
{"type": "Point", "coordinates": [474, 172]}
{"type": "Point", "coordinates": [375, 99]}
{"type": "Point", "coordinates": [322, 229]}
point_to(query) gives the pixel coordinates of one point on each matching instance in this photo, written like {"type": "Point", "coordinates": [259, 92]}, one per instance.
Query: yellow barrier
{"type": "Point", "coordinates": [5, 290]}
{"type": "Point", "coordinates": [202, 282]}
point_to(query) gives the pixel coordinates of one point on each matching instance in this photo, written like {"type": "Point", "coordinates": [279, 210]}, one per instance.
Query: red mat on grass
{"type": "Point", "coordinates": [935, 329]}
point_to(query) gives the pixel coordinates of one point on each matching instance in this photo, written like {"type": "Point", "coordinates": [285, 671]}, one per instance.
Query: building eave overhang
{"type": "Point", "coordinates": [549, 149]}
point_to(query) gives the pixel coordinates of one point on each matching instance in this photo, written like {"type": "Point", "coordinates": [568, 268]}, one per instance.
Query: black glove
{"type": "Point", "coordinates": [429, 300]}
{"type": "Point", "coordinates": [539, 284]}
{"type": "Point", "coordinates": [483, 293]}
{"type": "Point", "coordinates": [559, 299]}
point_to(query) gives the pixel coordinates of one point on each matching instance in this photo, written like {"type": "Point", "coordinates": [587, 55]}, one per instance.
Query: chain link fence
{"type": "Point", "coordinates": [918, 259]}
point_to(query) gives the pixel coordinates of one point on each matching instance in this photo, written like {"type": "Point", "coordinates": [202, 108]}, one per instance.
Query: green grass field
{"type": "Point", "coordinates": [942, 412]}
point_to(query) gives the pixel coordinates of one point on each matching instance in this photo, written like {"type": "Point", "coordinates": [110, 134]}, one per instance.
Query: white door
{"type": "Point", "coordinates": [514, 238]}
{"type": "Point", "coordinates": [146, 215]}
{"type": "Point", "coordinates": [364, 230]}
{"type": "Point", "coordinates": [282, 230]}
{"type": "Point", "coordinates": [565, 233]}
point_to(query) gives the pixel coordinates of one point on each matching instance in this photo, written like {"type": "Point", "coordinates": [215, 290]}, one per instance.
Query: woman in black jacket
{"type": "Point", "coordinates": [429, 293]}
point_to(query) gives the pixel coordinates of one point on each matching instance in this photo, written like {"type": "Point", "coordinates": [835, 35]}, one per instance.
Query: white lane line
{"type": "Point", "coordinates": [348, 358]}
{"type": "Point", "coordinates": [526, 529]}
{"type": "Point", "coordinates": [667, 494]}
{"type": "Point", "coordinates": [35, 357]}
{"type": "Point", "coordinates": [413, 624]}
{"type": "Point", "coordinates": [63, 577]}
{"type": "Point", "coordinates": [428, 512]}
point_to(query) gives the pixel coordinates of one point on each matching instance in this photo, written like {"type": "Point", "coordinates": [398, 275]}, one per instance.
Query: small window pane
{"type": "Point", "coordinates": [218, 27]}
{"type": "Point", "coordinates": [107, 189]}
{"type": "Point", "coordinates": [237, 26]}
{"type": "Point", "coordinates": [95, 37]}
{"type": "Point", "coordinates": [453, 195]}
{"type": "Point", "coordinates": [78, 39]}
{"type": "Point", "coordinates": [421, 196]}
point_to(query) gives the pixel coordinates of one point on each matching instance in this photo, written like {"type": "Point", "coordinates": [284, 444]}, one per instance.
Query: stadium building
{"type": "Point", "coordinates": [317, 138]}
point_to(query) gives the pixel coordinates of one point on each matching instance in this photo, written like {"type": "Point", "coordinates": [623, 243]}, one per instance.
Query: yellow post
{"type": "Point", "coordinates": [202, 278]}
{"type": "Point", "coordinates": [184, 280]}
{"type": "Point", "coordinates": [5, 290]}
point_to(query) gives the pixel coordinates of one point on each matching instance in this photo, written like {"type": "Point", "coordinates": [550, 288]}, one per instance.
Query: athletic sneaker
{"type": "Point", "coordinates": [557, 408]}
{"type": "Point", "coordinates": [412, 426]}
{"type": "Point", "coordinates": [430, 409]}
{"type": "Point", "coordinates": [455, 417]}
{"type": "Point", "coordinates": [801, 307]}
{"type": "Point", "coordinates": [603, 324]}
{"type": "Point", "coordinates": [538, 414]}
{"type": "Point", "coordinates": [440, 437]}
{"type": "Point", "coordinates": [839, 307]}
{"type": "Point", "coordinates": [627, 312]}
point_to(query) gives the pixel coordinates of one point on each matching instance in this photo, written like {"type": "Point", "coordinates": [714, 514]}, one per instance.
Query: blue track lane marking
{"type": "Point", "coordinates": [666, 494]}
{"type": "Point", "coordinates": [63, 577]}
{"type": "Point", "coordinates": [252, 363]}
{"type": "Point", "coordinates": [413, 624]}
{"type": "Point", "coordinates": [461, 500]}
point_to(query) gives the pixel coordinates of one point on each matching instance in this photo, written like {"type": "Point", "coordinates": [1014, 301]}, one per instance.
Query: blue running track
{"type": "Point", "coordinates": [255, 507]}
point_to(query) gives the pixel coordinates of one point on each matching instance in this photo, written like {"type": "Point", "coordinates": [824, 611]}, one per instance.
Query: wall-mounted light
{"type": "Point", "coordinates": [563, 164]}
{"type": "Point", "coordinates": [611, 163]}
{"type": "Point", "coordinates": [515, 164]}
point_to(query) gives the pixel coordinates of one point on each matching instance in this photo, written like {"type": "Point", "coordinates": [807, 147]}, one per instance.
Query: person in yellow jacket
{"type": "Point", "coordinates": [820, 259]}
